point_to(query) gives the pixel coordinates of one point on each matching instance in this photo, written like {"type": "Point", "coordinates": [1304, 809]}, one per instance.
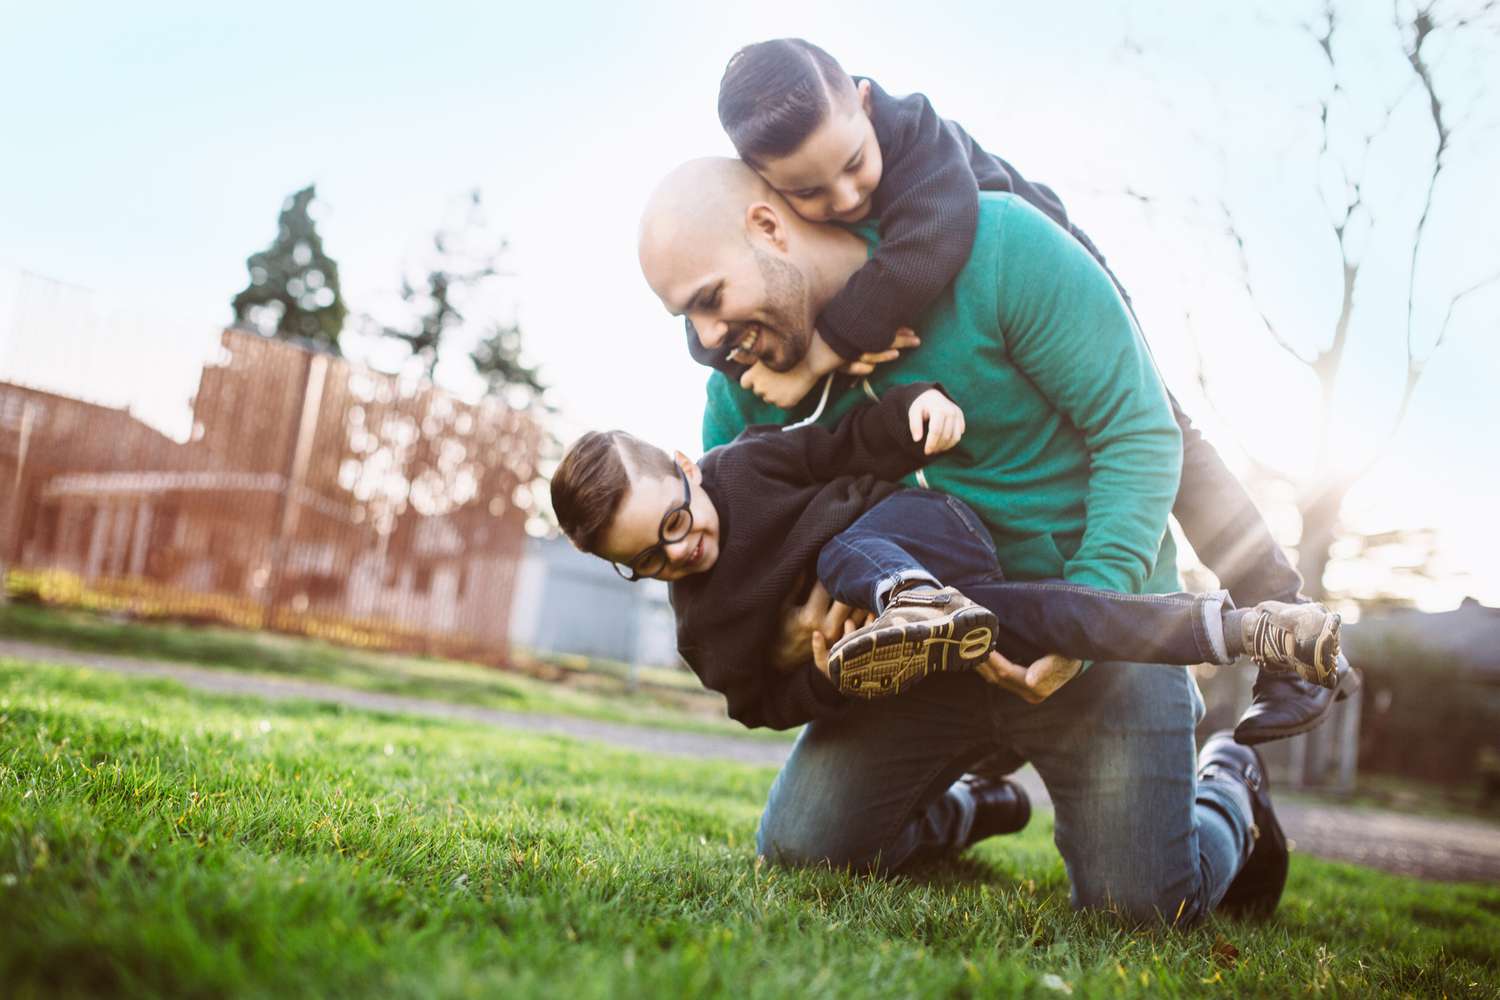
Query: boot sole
{"type": "Point", "coordinates": [890, 660]}
{"type": "Point", "coordinates": [1326, 652]}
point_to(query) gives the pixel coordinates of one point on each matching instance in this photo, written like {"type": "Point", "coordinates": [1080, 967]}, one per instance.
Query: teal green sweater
{"type": "Point", "coordinates": [1070, 455]}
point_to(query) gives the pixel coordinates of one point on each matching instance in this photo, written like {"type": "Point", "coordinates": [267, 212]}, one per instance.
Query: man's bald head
{"type": "Point", "coordinates": [719, 246]}
{"type": "Point", "coordinates": [701, 203]}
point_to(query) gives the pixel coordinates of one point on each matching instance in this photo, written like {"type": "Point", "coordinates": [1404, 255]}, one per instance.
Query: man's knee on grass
{"type": "Point", "coordinates": [789, 843]}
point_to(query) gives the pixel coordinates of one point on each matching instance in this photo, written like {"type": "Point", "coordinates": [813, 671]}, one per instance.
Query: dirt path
{"type": "Point", "coordinates": [1408, 845]}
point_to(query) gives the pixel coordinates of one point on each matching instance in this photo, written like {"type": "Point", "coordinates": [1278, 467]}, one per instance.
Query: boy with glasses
{"type": "Point", "coordinates": [747, 532]}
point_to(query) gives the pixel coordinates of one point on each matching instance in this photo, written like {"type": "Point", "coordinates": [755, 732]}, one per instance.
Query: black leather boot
{"type": "Point", "coordinates": [1257, 887]}
{"type": "Point", "coordinates": [1000, 806]}
{"type": "Point", "coordinates": [1285, 705]}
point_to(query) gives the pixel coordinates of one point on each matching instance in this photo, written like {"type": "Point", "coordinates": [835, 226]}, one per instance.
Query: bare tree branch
{"type": "Point", "coordinates": [1421, 27]}
{"type": "Point", "coordinates": [1417, 367]}
{"type": "Point", "coordinates": [1478, 286]}
{"type": "Point", "coordinates": [1231, 229]}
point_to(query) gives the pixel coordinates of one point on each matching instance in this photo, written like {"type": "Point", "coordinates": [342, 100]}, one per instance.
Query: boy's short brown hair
{"type": "Point", "coordinates": [775, 94]}
{"type": "Point", "coordinates": [594, 477]}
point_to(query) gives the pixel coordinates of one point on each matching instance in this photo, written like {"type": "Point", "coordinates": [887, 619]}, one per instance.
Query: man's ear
{"type": "Point", "coordinates": [764, 222]}
{"type": "Point", "coordinates": [863, 89]}
{"type": "Point", "coordinates": [689, 467]}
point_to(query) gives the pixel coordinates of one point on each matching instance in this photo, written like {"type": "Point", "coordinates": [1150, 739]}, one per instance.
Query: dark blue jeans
{"type": "Point", "coordinates": [921, 535]}
{"type": "Point", "coordinates": [874, 788]}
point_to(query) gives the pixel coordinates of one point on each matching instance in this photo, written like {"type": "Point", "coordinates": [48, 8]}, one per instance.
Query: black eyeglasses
{"type": "Point", "coordinates": [675, 525]}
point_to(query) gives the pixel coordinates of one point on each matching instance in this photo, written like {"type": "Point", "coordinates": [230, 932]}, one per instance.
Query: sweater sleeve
{"type": "Point", "coordinates": [767, 698]}
{"type": "Point", "coordinates": [929, 210]}
{"type": "Point", "coordinates": [873, 440]}
{"type": "Point", "coordinates": [1067, 329]}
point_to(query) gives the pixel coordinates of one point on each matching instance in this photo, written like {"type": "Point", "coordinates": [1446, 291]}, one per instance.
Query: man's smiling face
{"type": "Point", "coordinates": [747, 300]}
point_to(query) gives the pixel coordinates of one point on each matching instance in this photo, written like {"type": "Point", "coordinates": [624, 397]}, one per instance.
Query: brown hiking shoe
{"type": "Point", "coordinates": [1294, 637]}
{"type": "Point", "coordinates": [921, 632]}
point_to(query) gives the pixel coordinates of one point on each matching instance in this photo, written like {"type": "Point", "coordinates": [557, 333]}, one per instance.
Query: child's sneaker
{"type": "Point", "coordinates": [1299, 637]}
{"type": "Point", "coordinates": [920, 632]}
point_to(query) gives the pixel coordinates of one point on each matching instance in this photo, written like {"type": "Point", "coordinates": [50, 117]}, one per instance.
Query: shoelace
{"type": "Point", "coordinates": [1272, 645]}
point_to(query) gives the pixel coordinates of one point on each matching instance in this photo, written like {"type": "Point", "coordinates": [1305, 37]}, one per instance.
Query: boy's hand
{"type": "Point", "coordinates": [1033, 684]}
{"type": "Point", "coordinates": [905, 339]}
{"type": "Point", "coordinates": [786, 389]}
{"type": "Point", "coordinates": [942, 417]}
{"type": "Point", "coordinates": [783, 389]}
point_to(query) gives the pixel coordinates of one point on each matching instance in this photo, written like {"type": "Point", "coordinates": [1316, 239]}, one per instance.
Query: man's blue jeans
{"type": "Point", "coordinates": [875, 788]}
{"type": "Point", "coordinates": [921, 536]}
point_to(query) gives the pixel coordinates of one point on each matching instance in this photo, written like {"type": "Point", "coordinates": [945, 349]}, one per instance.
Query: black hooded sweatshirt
{"type": "Point", "coordinates": [927, 205]}
{"type": "Point", "coordinates": [781, 495]}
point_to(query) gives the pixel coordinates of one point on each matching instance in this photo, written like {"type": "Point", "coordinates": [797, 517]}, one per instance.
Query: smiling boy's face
{"type": "Point", "coordinates": [650, 507]}
{"type": "Point", "coordinates": [833, 175]}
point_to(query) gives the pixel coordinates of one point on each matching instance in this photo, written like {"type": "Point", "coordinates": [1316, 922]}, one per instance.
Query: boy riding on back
{"type": "Point", "coordinates": [749, 529]}
{"type": "Point", "coordinates": [840, 149]}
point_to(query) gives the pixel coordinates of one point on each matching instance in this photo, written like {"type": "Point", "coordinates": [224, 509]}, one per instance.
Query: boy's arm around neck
{"type": "Point", "coordinates": [928, 204]}
{"type": "Point", "coordinates": [870, 440]}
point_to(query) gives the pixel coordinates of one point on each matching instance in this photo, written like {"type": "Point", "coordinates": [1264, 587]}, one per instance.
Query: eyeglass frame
{"type": "Point", "coordinates": [628, 570]}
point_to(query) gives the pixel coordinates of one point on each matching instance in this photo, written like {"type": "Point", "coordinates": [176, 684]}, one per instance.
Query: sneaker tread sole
{"type": "Point", "coordinates": [891, 660]}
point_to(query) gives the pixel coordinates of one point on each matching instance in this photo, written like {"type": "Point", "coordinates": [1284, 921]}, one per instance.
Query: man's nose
{"type": "Point", "coordinates": [679, 550]}
{"type": "Point", "coordinates": [711, 332]}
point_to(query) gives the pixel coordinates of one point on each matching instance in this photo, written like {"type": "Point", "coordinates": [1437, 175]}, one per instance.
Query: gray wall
{"type": "Point", "coordinates": [567, 602]}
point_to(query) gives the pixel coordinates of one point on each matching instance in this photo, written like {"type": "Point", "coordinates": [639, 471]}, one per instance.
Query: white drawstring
{"type": "Point", "coordinates": [817, 410]}
{"type": "Point", "coordinates": [920, 475]}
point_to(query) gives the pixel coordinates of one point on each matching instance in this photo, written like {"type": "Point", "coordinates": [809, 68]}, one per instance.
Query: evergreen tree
{"type": "Point", "coordinates": [294, 286]}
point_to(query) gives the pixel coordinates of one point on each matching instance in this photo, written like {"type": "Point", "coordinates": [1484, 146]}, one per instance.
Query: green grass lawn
{"type": "Point", "coordinates": [598, 694]}
{"type": "Point", "coordinates": [159, 841]}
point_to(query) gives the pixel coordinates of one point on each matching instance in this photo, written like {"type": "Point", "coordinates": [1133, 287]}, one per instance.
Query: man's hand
{"type": "Point", "coordinates": [942, 418]}
{"type": "Point", "coordinates": [857, 619]}
{"type": "Point", "coordinates": [1033, 684]}
{"type": "Point", "coordinates": [905, 339]}
{"type": "Point", "coordinates": [816, 623]}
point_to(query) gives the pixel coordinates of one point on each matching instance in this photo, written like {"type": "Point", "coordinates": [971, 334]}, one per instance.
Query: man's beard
{"type": "Point", "coordinates": [785, 336]}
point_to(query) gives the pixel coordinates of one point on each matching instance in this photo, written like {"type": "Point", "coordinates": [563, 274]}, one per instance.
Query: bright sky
{"type": "Point", "coordinates": [152, 145]}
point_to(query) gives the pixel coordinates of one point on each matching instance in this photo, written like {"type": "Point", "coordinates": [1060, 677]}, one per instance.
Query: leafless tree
{"type": "Point", "coordinates": [1428, 34]}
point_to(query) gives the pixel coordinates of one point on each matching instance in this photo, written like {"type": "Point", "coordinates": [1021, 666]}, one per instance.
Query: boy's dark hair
{"type": "Point", "coordinates": [594, 477]}
{"type": "Point", "coordinates": [775, 94]}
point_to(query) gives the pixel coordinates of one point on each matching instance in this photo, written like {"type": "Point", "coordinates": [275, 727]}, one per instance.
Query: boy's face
{"type": "Point", "coordinates": [832, 176]}
{"type": "Point", "coordinates": [650, 509]}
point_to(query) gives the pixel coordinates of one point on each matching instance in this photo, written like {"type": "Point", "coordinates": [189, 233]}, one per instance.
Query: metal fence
{"type": "Point", "coordinates": [312, 496]}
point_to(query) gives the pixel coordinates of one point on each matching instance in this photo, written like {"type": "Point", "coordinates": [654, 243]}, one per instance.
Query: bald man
{"type": "Point", "coordinates": [1071, 458]}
